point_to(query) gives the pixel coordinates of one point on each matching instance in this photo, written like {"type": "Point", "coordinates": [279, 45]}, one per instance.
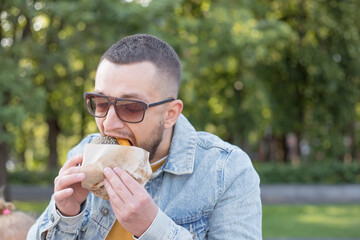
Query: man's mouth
{"type": "Point", "coordinates": [122, 140]}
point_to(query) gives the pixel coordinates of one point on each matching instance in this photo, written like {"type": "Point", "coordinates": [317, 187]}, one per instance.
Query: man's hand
{"type": "Point", "coordinates": [133, 206]}
{"type": "Point", "coordinates": [68, 193]}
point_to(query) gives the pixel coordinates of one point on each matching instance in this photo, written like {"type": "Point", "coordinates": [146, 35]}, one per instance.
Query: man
{"type": "Point", "coordinates": [202, 187]}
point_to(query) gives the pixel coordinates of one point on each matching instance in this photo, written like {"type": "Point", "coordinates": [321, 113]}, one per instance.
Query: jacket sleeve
{"type": "Point", "coordinates": [52, 225]}
{"type": "Point", "coordinates": [156, 231]}
{"type": "Point", "coordinates": [238, 211]}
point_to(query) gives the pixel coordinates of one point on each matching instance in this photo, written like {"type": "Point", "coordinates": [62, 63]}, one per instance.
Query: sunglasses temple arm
{"type": "Point", "coordinates": [161, 102]}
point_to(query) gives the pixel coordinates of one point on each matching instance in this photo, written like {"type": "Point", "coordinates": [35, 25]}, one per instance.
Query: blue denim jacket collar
{"type": "Point", "coordinates": [182, 151]}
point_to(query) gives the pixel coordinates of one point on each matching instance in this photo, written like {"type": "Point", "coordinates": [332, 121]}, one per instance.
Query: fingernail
{"type": "Point", "coordinates": [106, 170]}
{"type": "Point", "coordinates": [117, 170]}
{"type": "Point", "coordinates": [80, 175]}
{"type": "Point", "coordinates": [68, 191]}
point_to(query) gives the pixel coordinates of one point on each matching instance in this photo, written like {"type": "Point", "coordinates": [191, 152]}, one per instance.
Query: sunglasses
{"type": "Point", "coordinates": [128, 110]}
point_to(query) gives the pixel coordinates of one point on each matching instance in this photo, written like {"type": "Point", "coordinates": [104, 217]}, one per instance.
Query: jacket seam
{"type": "Point", "coordinates": [223, 166]}
{"type": "Point", "coordinates": [202, 144]}
{"type": "Point", "coordinates": [192, 218]}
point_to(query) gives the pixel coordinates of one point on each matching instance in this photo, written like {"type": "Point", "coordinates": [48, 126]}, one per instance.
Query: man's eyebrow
{"type": "Point", "coordinates": [128, 95]}
{"type": "Point", "coordinates": [133, 95]}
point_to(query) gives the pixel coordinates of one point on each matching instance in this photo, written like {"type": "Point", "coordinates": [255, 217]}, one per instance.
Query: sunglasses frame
{"type": "Point", "coordinates": [114, 100]}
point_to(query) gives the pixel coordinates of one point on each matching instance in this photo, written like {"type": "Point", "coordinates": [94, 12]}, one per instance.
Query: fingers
{"type": "Point", "coordinates": [129, 182]}
{"type": "Point", "coordinates": [72, 162]}
{"type": "Point", "coordinates": [116, 187]}
{"type": "Point", "coordinates": [68, 192]}
{"type": "Point", "coordinates": [64, 181]}
{"type": "Point", "coordinates": [69, 175]}
{"type": "Point", "coordinates": [70, 171]}
{"type": "Point", "coordinates": [62, 194]}
{"type": "Point", "coordinates": [133, 206]}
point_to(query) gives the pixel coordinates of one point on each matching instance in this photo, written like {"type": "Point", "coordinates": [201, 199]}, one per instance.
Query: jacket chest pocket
{"type": "Point", "coordinates": [198, 227]}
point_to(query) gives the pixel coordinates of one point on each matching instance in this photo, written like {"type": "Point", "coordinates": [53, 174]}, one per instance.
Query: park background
{"type": "Point", "coordinates": [278, 78]}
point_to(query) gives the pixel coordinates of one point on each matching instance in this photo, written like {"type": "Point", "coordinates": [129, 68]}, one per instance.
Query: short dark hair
{"type": "Point", "coordinates": [143, 47]}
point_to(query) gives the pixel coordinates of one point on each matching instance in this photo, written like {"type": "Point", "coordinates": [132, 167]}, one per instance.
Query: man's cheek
{"type": "Point", "coordinates": [99, 124]}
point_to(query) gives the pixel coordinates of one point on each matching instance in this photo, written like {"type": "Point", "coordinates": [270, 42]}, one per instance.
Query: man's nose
{"type": "Point", "coordinates": [112, 121]}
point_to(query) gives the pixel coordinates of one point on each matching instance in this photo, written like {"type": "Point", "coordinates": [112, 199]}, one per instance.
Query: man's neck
{"type": "Point", "coordinates": [164, 147]}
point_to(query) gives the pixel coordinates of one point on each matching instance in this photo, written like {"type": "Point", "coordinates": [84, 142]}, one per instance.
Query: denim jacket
{"type": "Point", "coordinates": [206, 189]}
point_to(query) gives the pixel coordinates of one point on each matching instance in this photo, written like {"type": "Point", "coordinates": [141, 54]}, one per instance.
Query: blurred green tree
{"type": "Point", "coordinates": [16, 102]}
{"type": "Point", "coordinates": [311, 73]}
{"type": "Point", "coordinates": [269, 76]}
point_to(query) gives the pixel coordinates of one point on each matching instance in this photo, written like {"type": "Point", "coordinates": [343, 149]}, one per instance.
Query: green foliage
{"type": "Point", "coordinates": [329, 173]}
{"type": "Point", "coordinates": [254, 71]}
{"type": "Point", "coordinates": [15, 101]}
{"type": "Point", "coordinates": [326, 173]}
{"type": "Point", "coordinates": [24, 177]}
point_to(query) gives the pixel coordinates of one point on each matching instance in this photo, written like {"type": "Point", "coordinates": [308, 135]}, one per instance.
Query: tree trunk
{"type": "Point", "coordinates": [292, 144]}
{"type": "Point", "coordinates": [264, 150]}
{"type": "Point", "coordinates": [27, 29]}
{"type": "Point", "coordinates": [22, 149]}
{"type": "Point", "coordinates": [4, 157]}
{"type": "Point", "coordinates": [3, 172]}
{"type": "Point", "coordinates": [284, 152]}
{"type": "Point", "coordinates": [52, 141]}
{"type": "Point", "coordinates": [353, 145]}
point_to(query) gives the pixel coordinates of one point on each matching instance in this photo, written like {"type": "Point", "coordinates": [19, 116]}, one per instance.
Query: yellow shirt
{"type": "Point", "coordinates": [117, 231]}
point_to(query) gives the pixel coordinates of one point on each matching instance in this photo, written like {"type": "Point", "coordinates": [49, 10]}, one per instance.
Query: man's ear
{"type": "Point", "coordinates": [173, 112]}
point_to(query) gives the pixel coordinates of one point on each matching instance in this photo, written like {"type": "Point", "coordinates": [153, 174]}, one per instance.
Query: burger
{"type": "Point", "coordinates": [109, 152]}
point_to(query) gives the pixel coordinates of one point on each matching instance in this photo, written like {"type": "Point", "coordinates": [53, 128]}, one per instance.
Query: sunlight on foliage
{"type": "Point", "coordinates": [254, 72]}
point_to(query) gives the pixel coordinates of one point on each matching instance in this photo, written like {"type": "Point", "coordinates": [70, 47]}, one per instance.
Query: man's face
{"type": "Point", "coordinates": [133, 81]}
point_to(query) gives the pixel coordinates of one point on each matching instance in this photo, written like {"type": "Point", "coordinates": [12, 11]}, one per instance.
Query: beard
{"type": "Point", "coordinates": [152, 143]}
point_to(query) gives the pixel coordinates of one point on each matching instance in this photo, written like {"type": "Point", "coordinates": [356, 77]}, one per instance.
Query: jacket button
{"type": "Point", "coordinates": [105, 212]}
{"type": "Point", "coordinates": [52, 218]}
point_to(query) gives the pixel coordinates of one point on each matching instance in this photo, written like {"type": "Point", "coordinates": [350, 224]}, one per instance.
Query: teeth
{"type": "Point", "coordinates": [104, 140]}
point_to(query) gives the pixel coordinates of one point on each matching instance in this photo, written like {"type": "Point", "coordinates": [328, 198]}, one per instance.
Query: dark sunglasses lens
{"type": "Point", "coordinates": [97, 106]}
{"type": "Point", "coordinates": [130, 111]}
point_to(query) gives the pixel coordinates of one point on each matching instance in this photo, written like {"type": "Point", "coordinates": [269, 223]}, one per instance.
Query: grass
{"type": "Point", "coordinates": [311, 221]}
{"type": "Point", "coordinates": [284, 220]}
{"type": "Point", "coordinates": [31, 207]}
